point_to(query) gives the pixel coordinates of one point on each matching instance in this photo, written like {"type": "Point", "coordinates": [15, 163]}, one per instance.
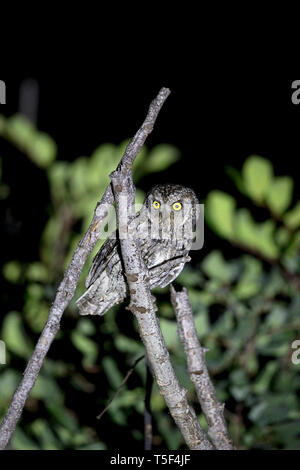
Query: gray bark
{"type": "Point", "coordinates": [143, 306]}
{"type": "Point", "coordinates": [195, 353]}
{"type": "Point", "coordinates": [68, 285]}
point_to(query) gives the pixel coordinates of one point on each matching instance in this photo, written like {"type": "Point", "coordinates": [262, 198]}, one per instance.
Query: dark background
{"type": "Point", "coordinates": [215, 122]}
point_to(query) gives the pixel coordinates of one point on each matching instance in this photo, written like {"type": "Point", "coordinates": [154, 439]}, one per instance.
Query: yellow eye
{"type": "Point", "coordinates": [177, 206]}
{"type": "Point", "coordinates": [156, 205]}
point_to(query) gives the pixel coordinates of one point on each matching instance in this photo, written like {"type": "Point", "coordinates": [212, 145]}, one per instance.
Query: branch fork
{"type": "Point", "coordinates": [142, 304]}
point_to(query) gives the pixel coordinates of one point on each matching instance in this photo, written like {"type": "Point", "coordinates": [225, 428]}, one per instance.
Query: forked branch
{"type": "Point", "coordinates": [195, 354]}
{"type": "Point", "coordinates": [143, 306]}
{"type": "Point", "coordinates": [70, 280]}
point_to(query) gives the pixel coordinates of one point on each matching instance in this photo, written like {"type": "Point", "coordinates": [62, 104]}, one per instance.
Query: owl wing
{"type": "Point", "coordinates": [104, 255]}
{"type": "Point", "coordinates": [101, 259]}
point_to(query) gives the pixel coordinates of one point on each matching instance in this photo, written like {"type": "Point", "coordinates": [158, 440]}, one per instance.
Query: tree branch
{"type": "Point", "coordinates": [68, 285]}
{"type": "Point", "coordinates": [212, 409]}
{"type": "Point", "coordinates": [290, 276]}
{"type": "Point", "coordinates": [120, 387]}
{"type": "Point", "coordinates": [142, 305]}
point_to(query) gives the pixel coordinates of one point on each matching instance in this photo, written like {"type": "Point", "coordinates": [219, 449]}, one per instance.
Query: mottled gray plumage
{"type": "Point", "coordinates": [165, 235]}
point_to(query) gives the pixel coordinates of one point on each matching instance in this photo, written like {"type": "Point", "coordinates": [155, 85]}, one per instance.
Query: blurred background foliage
{"type": "Point", "coordinates": [246, 310]}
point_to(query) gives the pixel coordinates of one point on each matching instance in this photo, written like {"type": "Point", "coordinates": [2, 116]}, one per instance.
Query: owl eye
{"type": "Point", "coordinates": [156, 205]}
{"type": "Point", "coordinates": [177, 206]}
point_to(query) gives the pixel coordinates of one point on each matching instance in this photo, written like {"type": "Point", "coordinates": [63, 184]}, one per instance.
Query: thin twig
{"type": "Point", "coordinates": [212, 409]}
{"type": "Point", "coordinates": [68, 285]}
{"type": "Point", "coordinates": [293, 278]}
{"type": "Point", "coordinates": [142, 305]}
{"type": "Point", "coordinates": [120, 386]}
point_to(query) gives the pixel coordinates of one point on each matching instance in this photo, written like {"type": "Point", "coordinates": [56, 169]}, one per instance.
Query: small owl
{"type": "Point", "coordinates": [164, 228]}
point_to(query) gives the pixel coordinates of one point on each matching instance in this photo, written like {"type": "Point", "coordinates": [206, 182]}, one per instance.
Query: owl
{"type": "Point", "coordinates": [165, 232]}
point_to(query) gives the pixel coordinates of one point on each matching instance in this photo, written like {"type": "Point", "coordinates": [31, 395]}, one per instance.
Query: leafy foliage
{"type": "Point", "coordinates": [51, 420]}
{"type": "Point", "coordinates": [246, 312]}
{"type": "Point", "coordinates": [257, 296]}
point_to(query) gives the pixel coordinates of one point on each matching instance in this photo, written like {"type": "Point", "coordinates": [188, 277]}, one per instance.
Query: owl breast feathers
{"type": "Point", "coordinates": [165, 227]}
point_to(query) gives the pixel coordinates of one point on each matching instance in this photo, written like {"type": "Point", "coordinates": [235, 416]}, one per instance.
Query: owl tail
{"type": "Point", "coordinates": [91, 304]}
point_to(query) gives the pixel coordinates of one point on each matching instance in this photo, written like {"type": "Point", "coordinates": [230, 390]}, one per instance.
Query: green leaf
{"type": "Point", "coordinates": [258, 411]}
{"type": "Point", "coordinates": [86, 326]}
{"type": "Point", "coordinates": [219, 212]}
{"type": "Point", "coordinates": [190, 277]}
{"type": "Point", "coordinates": [277, 317]}
{"type": "Point", "coordinates": [169, 331]}
{"type": "Point", "coordinates": [276, 284]}
{"type": "Point", "coordinates": [288, 434]}
{"type": "Point", "coordinates": [58, 176]}
{"type": "Point", "coordinates": [127, 345]}
{"type": "Point", "coordinates": [102, 162]}
{"type": "Point", "coordinates": [37, 272]}
{"type": "Point", "coordinates": [215, 266]}
{"type": "Point", "coordinates": [245, 228]}
{"type": "Point", "coordinates": [282, 237]}
{"type": "Point", "coordinates": [62, 416]}
{"type": "Point", "coordinates": [172, 435]}
{"type": "Point", "coordinates": [14, 335]}
{"type": "Point", "coordinates": [202, 324]}
{"type": "Point", "coordinates": [78, 178]}
{"type": "Point", "coordinates": [21, 441]}
{"type": "Point", "coordinates": [265, 239]}
{"type": "Point", "coordinates": [50, 234]}
{"type": "Point", "coordinates": [250, 282]}
{"type": "Point", "coordinates": [257, 176]}
{"type": "Point", "coordinates": [280, 195]}
{"type": "Point", "coordinates": [240, 393]}
{"type": "Point", "coordinates": [94, 446]}
{"type": "Point", "coordinates": [36, 309]}
{"type": "Point", "coordinates": [273, 409]}
{"type": "Point", "coordinates": [41, 429]}
{"type": "Point", "coordinates": [161, 157]}
{"type": "Point", "coordinates": [42, 150]}
{"type": "Point", "coordinates": [112, 372]}
{"type": "Point", "coordinates": [262, 383]}
{"type": "Point", "coordinates": [157, 401]}
{"type": "Point", "coordinates": [9, 380]}
{"type": "Point", "coordinates": [224, 324]}
{"type": "Point", "coordinates": [86, 346]}
{"type": "Point", "coordinates": [240, 386]}
{"type": "Point", "coordinates": [292, 218]}
{"type": "Point", "coordinates": [46, 389]}
{"type": "Point", "coordinates": [20, 130]}
{"type": "Point", "coordinates": [12, 271]}
{"type": "Point", "coordinates": [277, 345]}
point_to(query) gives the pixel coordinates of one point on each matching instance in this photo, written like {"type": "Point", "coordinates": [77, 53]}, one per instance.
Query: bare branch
{"type": "Point", "coordinates": [213, 410]}
{"type": "Point", "coordinates": [68, 285]}
{"type": "Point", "coordinates": [120, 386]}
{"type": "Point", "coordinates": [142, 304]}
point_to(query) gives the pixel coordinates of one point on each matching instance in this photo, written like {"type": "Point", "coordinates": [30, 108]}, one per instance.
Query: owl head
{"type": "Point", "coordinates": [171, 211]}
